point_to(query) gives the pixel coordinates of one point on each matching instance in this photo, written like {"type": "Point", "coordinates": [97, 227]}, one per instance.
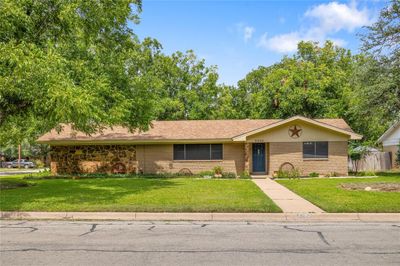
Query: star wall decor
{"type": "Point", "coordinates": [295, 131]}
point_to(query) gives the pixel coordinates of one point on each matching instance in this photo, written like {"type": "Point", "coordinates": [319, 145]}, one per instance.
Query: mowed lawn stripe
{"type": "Point", "coordinates": [331, 197]}
{"type": "Point", "coordinates": [138, 195]}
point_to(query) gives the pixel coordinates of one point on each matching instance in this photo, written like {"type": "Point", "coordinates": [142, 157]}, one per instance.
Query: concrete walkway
{"type": "Point", "coordinates": [288, 201]}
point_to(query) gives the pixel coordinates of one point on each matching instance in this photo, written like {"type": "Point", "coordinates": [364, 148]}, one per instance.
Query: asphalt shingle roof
{"type": "Point", "coordinates": [178, 130]}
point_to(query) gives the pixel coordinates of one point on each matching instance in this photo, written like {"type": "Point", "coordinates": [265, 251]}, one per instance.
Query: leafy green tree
{"type": "Point", "coordinates": [375, 94]}
{"type": "Point", "coordinates": [229, 104]}
{"type": "Point", "coordinates": [311, 83]}
{"type": "Point", "coordinates": [382, 39]}
{"type": "Point", "coordinates": [72, 62]}
{"type": "Point", "coordinates": [356, 154]}
{"type": "Point", "coordinates": [374, 98]}
{"type": "Point", "coordinates": [187, 88]}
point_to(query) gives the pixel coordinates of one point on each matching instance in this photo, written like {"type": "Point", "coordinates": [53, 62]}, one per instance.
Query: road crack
{"type": "Point", "coordinates": [92, 229]}
{"type": "Point", "coordinates": [33, 229]}
{"type": "Point", "coordinates": [319, 233]}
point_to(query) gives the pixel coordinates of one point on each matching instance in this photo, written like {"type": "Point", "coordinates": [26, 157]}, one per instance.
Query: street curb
{"type": "Point", "coordinates": [170, 216]}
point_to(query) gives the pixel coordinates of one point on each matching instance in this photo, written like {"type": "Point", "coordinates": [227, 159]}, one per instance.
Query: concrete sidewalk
{"type": "Point", "coordinates": [20, 171]}
{"type": "Point", "coordinates": [168, 216]}
{"type": "Point", "coordinates": [288, 201]}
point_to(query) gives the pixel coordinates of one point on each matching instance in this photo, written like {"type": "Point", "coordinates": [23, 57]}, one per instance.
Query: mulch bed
{"type": "Point", "coordinates": [383, 187]}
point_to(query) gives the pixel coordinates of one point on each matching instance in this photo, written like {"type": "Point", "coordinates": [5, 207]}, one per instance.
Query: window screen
{"type": "Point", "coordinates": [321, 149]}
{"type": "Point", "coordinates": [315, 149]}
{"type": "Point", "coordinates": [198, 152]}
{"type": "Point", "coordinates": [179, 151]}
{"type": "Point", "coordinates": [216, 151]}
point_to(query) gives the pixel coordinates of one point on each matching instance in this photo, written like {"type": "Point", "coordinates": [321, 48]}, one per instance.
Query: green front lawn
{"type": "Point", "coordinates": [331, 197]}
{"type": "Point", "coordinates": [137, 195]}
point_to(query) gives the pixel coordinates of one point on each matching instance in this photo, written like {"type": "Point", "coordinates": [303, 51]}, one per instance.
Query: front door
{"type": "Point", "coordinates": [259, 157]}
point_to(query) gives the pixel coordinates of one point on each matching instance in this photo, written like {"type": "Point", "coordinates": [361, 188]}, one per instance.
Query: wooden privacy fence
{"type": "Point", "coordinates": [373, 161]}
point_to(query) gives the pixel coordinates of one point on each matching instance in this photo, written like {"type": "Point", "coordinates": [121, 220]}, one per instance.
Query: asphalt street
{"type": "Point", "coordinates": [198, 243]}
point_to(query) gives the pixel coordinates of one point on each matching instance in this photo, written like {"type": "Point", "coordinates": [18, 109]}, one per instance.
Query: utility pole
{"type": "Point", "coordinates": [19, 156]}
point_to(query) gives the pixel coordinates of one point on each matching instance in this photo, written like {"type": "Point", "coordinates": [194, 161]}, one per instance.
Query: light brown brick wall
{"type": "Point", "coordinates": [393, 149]}
{"type": "Point", "coordinates": [292, 152]}
{"type": "Point", "coordinates": [158, 158]}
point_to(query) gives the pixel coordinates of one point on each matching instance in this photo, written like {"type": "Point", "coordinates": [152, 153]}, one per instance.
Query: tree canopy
{"type": "Point", "coordinates": [79, 62]}
{"type": "Point", "coordinates": [72, 62]}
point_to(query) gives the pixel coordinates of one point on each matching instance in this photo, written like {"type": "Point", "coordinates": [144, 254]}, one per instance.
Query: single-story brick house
{"type": "Point", "coordinates": [259, 146]}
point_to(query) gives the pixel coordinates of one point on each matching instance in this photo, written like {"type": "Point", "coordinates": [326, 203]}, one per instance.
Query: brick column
{"type": "Point", "coordinates": [53, 168]}
{"type": "Point", "coordinates": [247, 157]}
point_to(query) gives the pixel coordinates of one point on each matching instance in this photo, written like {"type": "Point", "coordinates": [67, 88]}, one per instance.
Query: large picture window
{"type": "Point", "coordinates": [315, 149]}
{"type": "Point", "coordinates": [198, 152]}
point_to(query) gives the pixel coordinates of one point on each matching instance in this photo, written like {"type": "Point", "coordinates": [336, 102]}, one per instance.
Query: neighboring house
{"type": "Point", "coordinates": [255, 146]}
{"type": "Point", "coordinates": [390, 141]}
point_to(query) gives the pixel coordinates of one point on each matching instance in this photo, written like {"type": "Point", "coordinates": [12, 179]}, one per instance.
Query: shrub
{"type": "Point", "coordinates": [217, 170]}
{"type": "Point", "coordinates": [104, 175]}
{"type": "Point", "coordinates": [313, 174]}
{"type": "Point", "coordinates": [206, 173]}
{"type": "Point", "coordinates": [294, 173]}
{"type": "Point", "coordinates": [245, 175]}
{"type": "Point", "coordinates": [228, 175]}
{"type": "Point", "coordinates": [39, 163]}
{"type": "Point", "coordinates": [356, 154]}
{"type": "Point", "coordinates": [363, 173]}
{"type": "Point", "coordinates": [389, 173]}
{"type": "Point", "coordinates": [369, 173]}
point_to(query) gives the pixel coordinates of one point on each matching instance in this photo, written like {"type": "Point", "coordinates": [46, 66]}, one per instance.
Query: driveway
{"type": "Point", "coordinates": [197, 243]}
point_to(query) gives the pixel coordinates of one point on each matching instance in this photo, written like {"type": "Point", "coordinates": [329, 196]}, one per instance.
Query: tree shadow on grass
{"type": "Point", "coordinates": [73, 195]}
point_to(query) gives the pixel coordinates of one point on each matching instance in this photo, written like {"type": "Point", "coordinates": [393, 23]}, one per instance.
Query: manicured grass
{"type": "Point", "coordinates": [9, 183]}
{"type": "Point", "coordinates": [328, 195]}
{"type": "Point", "coordinates": [137, 195]}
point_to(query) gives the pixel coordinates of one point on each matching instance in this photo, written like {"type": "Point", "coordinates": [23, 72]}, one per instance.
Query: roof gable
{"type": "Point", "coordinates": [324, 123]}
{"type": "Point", "coordinates": [389, 131]}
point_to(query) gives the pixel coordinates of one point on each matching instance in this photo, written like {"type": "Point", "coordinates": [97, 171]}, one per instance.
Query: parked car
{"type": "Point", "coordinates": [23, 164]}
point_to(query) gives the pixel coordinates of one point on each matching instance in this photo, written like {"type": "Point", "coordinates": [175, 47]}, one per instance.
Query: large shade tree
{"type": "Point", "coordinates": [312, 83]}
{"type": "Point", "coordinates": [187, 88]}
{"type": "Point", "coordinates": [375, 98]}
{"type": "Point", "coordinates": [72, 62]}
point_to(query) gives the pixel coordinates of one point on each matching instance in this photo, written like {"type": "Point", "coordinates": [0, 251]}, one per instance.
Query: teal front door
{"type": "Point", "coordinates": [258, 157]}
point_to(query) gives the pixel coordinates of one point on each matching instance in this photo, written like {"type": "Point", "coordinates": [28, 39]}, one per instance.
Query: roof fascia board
{"type": "Point", "coordinates": [126, 142]}
{"type": "Point", "coordinates": [388, 132]}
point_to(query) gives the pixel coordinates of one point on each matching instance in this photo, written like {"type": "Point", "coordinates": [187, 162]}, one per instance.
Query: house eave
{"type": "Point", "coordinates": [68, 142]}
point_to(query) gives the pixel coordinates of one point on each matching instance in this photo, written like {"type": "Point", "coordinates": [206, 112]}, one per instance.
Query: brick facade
{"type": "Point", "coordinates": [292, 152]}
{"type": "Point", "coordinates": [93, 159]}
{"type": "Point", "coordinates": [158, 158]}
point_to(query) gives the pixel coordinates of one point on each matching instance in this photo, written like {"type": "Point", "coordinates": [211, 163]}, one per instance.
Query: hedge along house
{"type": "Point", "coordinates": [192, 146]}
